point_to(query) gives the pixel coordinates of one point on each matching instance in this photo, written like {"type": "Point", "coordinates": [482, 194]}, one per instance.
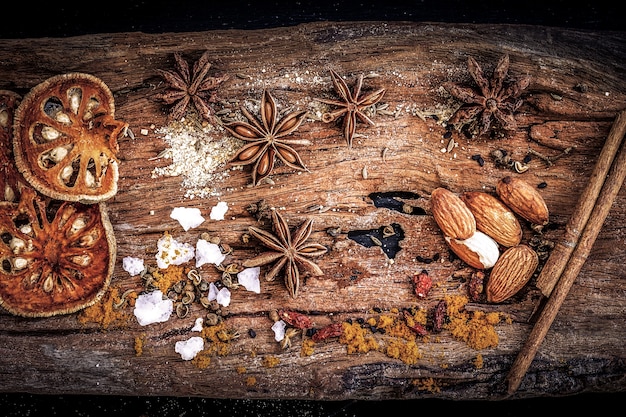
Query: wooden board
{"type": "Point", "coordinates": [577, 88]}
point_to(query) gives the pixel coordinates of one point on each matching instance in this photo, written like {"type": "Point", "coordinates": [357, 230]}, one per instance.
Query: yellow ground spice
{"type": "Point", "coordinates": [476, 328]}
{"type": "Point", "coordinates": [165, 278]}
{"type": "Point", "coordinates": [406, 351]}
{"type": "Point", "coordinates": [427, 384]}
{"type": "Point", "coordinates": [478, 362]}
{"type": "Point", "coordinates": [139, 343]}
{"type": "Point", "coordinates": [357, 339]}
{"type": "Point", "coordinates": [104, 313]}
{"type": "Point", "coordinates": [250, 381]}
{"type": "Point", "coordinates": [202, 359]}
{"type": "Point", "coordinates": [307, 349]}
{"type": "Point", "coordinates": [270, 361]}
{"type": "Point", "coordinates": [241, 370]}
{"type": "Point", "coordinates": [217, 343]}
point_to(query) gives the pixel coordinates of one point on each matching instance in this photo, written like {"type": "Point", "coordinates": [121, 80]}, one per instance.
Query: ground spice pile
{"type": "Point", "coordinates": [109, 310]}
{"type": "Point", "coordinates": [199, 154]}
{"type": "Point", "coordinates": [476, 328]}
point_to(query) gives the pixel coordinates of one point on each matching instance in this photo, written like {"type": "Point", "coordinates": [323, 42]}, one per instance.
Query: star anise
{"type": "Point", "coordinates": [267, 139]}
{"type": "Point", "coordinates": [288, 251]}
{"type": "Point", "coordinates": [352, 106]}
{"type": "Point", "coordinates": [187, 88]}
{"type": "Point", "coordinates": [496, 98]}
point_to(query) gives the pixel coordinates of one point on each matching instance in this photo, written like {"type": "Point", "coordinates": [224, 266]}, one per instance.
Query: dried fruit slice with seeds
{"type": "Point", "coordinates": [65, 138]}
{"type": "Point", "coordinates": [55, 257]}
{"type": "Point", "coordinates": [10, 178]}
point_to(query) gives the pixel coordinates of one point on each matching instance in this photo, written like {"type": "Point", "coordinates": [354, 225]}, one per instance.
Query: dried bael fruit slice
{"type": "Point", "coordinates": [9, 176]}
{"type": "Point", "coordinates": [65, 138]}
{"type": "Point", "coordinates": [56, 257]}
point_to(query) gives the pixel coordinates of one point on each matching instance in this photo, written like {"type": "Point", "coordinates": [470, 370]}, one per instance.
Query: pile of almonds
{"type": "Point", "coordinates": [484, 231]}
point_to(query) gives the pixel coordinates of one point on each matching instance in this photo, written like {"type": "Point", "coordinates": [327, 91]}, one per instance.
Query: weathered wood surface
{"type": "Point", "coordinates": [584, 351]}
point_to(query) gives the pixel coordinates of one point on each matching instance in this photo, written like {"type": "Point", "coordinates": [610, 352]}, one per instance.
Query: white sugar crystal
{"type": "Point", "coordinates": [188, 217]}
{"type": "Point", "coordinates": [249, 278]}
{"type": "Point", "coordinates": [172, 252]}
{"type": "Point", "coordinates": [189, 348]}
{"type": "Point", "coordinates": [279, 330]}
{"type": "Point", "coordinates": [133, 266]}
{"type": "Point", "coordinates": [197, 327]}
{"type": "Point", "coordinates": [152, 308]}
{"type": "Point", "coordinates": [208, 253]}
{"type": "Point", "coordinates": [218, 211]}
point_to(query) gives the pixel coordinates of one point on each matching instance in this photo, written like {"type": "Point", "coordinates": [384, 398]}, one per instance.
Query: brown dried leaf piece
{"type": "Point", "coordinates": [65, 138]}
{"type": "Point", "coordinates": [10, 179]}
{"type": "Point", "coordinates": [495, 99]}
{"type": "Point", "coordinates": [288, 251]}
{"type": "Point", "coordinates": [267, 139]}
{"type": "Point", "coordinates": [56, 257]}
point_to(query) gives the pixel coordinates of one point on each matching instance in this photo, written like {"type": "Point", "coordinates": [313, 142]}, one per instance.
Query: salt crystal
{"type": "Point", "coordinates": [223, 297]}
{"type": "Point", "coordinates": [172, 252]}
{"type": "Point", "coordinates": [279, 330]}
{"type": "Point", "coordinates": [152, 308]}
{"type": "Point", "coordinates": [212, 292]}
{"type": "Point", "coordinates": [249, 278]}
{"type": "Point", "coordinates": [133, 266]}
{"type": "Point", "coordinates": [188, 217]}
{"type": "Point", "coordinates": [189, 348]}
{"type": "Point", "coordinates": [218, 211]}
{"type": "Point", "coordinates": [197, 327]}
{"type": "Point", "coordinates": [208, 253]}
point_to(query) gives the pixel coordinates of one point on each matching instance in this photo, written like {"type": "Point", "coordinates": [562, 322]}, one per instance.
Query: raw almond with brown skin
{"type": "Point", "coordinates": [453, 217]}
{"type": "Point", "coordinates": [493, 217]}
{"type": "Point", "coordinates": [523, 199]}
{"type": "Point", "coordinates": [511, 272]}
{"type": "Point", "coordinates": [478, 251]}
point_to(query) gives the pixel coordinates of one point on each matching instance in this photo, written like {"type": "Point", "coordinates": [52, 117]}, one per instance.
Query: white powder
{"type": "Point", "coordinates": [199, 154]}
{"type": "Point", "coordinates": [172, 252]}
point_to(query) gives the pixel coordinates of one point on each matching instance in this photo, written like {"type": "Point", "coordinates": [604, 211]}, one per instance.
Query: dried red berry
{"type": "Point", "coordinates": [422, 283]}
{"type": "Point", "coordinates": [439, 316]}
{"type": "Point", "coordinates": [476, 286]}
{"type": "Point", "coordinates": [416, 327]}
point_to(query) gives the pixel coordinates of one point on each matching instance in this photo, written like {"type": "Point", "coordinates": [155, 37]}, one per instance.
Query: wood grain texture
{"type": "Point", "coordinates": [583, 351]}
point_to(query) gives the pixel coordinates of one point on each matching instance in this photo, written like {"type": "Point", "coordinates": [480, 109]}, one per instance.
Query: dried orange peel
{"type": "Point", "coordinates": [56, 257]}
{"type": "Point", "coordinates": [66, 138]}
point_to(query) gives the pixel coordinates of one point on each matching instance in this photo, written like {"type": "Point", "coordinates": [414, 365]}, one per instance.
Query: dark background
{"type": "Point", "coordinates": [66, 18]}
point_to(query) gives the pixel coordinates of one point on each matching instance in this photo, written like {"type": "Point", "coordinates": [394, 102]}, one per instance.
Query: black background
{"type": "Point", "coordinates": [59, 18]}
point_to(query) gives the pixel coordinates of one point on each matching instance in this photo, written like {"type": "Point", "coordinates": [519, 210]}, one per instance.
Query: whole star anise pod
{"type": "Point", "coordinates": [193, 87]}
{"type": "Point", "coordinates": [496, 98]}
{"type": "Point", "coordinates": [267, 139]}
{"type": "Point", "coordinates": [288, 251]}
{"type": "Point", "coordinates": [351, 106]}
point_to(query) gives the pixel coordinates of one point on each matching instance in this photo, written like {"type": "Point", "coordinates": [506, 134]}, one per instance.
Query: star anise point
{"type": "Point", "coordinates": [492, 99]}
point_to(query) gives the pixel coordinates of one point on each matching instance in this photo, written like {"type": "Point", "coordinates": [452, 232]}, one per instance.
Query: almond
{"type": "Point", "coordinates": [512, 271]}
{"type": "Point", "coordinates": [453, 217]}
{"type": "Point", "coordinates": [523, 199]}
{"type": "Point", "coordinates": [493, 217]}
{"type": "Point", "coordinates": [478, 251]}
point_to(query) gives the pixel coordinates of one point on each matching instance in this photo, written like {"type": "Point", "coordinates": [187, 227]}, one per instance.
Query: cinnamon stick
{"type": "Point", "coordinates": [562, 251]}
{"type": "Point", "coordinates": [579, 255]}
